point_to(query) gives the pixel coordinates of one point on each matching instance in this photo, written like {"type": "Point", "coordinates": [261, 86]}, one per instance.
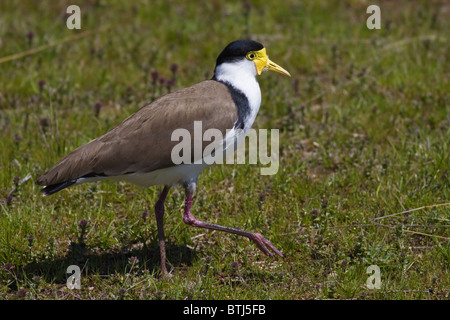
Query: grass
{"type": "Point", "coordinates": [364, 140]}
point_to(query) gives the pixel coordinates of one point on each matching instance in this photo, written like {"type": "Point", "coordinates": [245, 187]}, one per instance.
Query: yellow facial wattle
{"type": "Point", "coordinates": [262, 61]}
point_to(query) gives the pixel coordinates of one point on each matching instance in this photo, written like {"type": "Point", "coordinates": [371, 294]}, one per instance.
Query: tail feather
{"type": "Point", "coordinates": [53, 188]}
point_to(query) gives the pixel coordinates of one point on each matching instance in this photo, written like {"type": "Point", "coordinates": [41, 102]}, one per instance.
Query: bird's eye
{"type": "Point", "coordinates": [251, 56]}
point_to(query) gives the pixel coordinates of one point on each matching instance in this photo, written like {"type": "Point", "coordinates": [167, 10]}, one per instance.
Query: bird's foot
{"type": "Point", "coordinates": [264, 245]}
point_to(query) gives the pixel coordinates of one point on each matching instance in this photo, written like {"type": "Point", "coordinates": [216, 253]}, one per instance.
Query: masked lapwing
{"type": "Point", "coordinates": [139, 150]}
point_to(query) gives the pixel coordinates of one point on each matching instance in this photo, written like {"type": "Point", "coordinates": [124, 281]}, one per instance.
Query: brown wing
{"type": "Point", "coordinates": [142, 142]}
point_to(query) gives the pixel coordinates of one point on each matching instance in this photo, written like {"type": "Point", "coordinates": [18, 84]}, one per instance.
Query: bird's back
{"type": "Point", "coordinates": [142, 142]}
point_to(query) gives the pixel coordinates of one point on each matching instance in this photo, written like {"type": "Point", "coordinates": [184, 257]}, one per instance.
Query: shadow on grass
{"type": "Point", "coordinates": [93, 262]}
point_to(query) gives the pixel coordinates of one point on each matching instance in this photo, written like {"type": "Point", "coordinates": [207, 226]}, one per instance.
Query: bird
{"type": "Point", "coordinates": [139, 149]}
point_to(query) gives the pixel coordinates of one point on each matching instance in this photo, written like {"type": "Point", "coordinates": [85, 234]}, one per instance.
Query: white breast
{"type": "Point", "coordinates": [242, 75]}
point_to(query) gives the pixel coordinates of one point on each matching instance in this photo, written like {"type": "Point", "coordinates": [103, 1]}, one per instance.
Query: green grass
{"type": "Point", "coordinates": [364, 133]}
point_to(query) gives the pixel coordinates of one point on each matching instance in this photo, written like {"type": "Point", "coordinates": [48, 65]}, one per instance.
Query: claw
{"type": "Point", "coordinates": [262, 243]}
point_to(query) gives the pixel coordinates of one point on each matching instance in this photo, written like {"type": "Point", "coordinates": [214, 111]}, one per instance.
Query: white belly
{"type": "Point", "coordinates": [168, 176]}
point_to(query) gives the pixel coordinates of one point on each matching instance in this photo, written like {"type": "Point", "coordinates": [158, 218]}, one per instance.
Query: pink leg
{"type": "Point", "coordinates": [262, 243]}
{"type": "Point", "coordinates": [159, 213]}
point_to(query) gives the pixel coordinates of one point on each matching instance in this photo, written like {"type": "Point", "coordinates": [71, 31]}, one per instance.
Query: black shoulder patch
{"type": "Point", "coordinates": [242, 104]}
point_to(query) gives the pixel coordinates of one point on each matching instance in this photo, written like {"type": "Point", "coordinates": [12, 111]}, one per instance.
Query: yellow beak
{"type": "Point", "coordinates": [274, 67]}
{"type": "Point", "coordinates": [262, 62]}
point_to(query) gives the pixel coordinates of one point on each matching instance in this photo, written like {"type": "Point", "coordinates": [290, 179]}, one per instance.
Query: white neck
{"type": "Point", "coordinates": [242, 76]}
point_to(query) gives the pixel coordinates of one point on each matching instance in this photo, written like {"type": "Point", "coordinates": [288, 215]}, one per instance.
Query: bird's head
{"type": "Point", "coordinates": [245, 56]}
